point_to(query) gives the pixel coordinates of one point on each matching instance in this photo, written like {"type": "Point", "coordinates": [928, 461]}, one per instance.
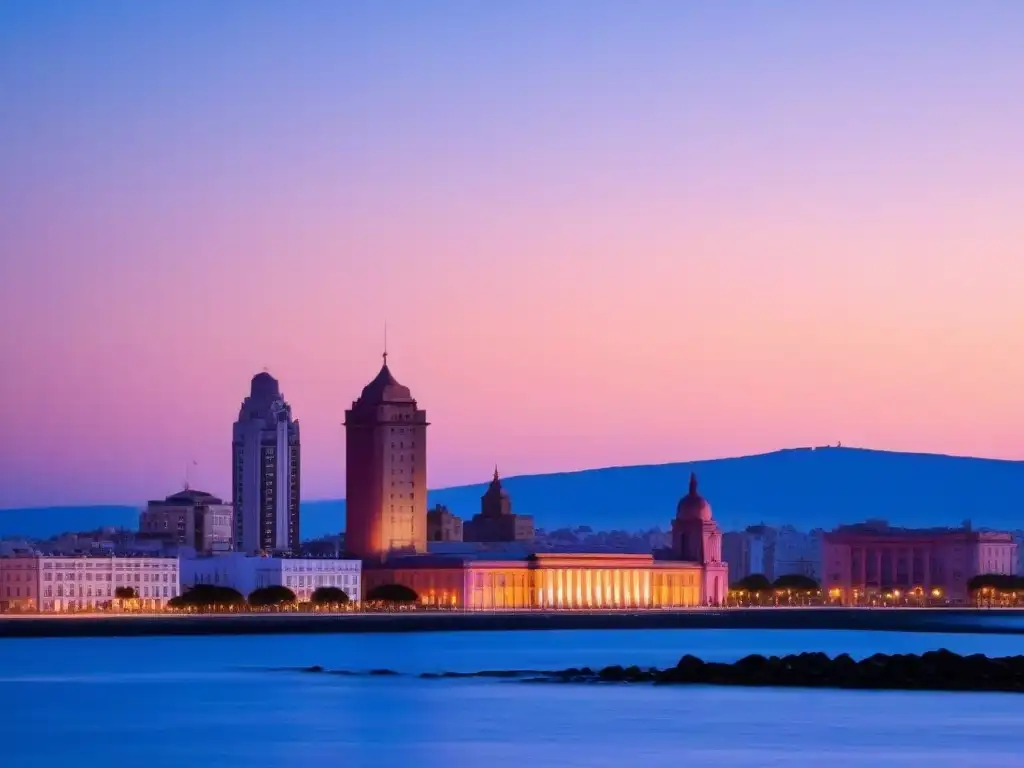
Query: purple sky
{"type": "Point", "coordinates": [600, 233]}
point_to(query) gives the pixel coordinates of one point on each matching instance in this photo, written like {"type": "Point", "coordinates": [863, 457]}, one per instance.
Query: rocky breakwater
{"type": "Point", "coordinates": [933, 671]}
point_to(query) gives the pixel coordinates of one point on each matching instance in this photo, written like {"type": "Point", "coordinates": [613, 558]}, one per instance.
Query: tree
{"type": "Point", "coordinates": [329, 596]}
{"type": "Point", "coordinates": [995, 587]}
{"type": "Point", "coordinates": [274, 595]}
{"type": "Point", "coordinates": [755, 582]}
{"type": "Point", "coordinates": [995, 581]}
{"type": "Point", "coordinates": [797, 582]}
{"type": "Point", "coordinates": [393, 593]}
{"type": "Point", "coordinates": [207, 596]}
{"type": "Point", "coordinates": [126, 593]}
{"type": "Point", "coordinates": [750, 589]}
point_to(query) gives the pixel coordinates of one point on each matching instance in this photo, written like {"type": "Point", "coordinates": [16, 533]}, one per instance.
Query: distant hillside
{"type": "Point", "coordinates": [805, 487]}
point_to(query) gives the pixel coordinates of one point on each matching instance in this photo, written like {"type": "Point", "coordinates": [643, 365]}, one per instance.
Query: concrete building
{"type": "Point", "coordinates": [385, 471]}
{"type": "Point", "coordinates": [247, 573]}
{"type": "Point", "coordinates": [442, 525]}
{"type": "Point", "coordinates": [750, 551]}
{"type": "Point", "coordinates": [798, 552]}
{"type": "Point", "coordinates": [266, 471]}
{"type": "Point", "coordinates": [496, 521]}
{"type": "Point", "coordinates": [189, 518]}
{"type": "Point", "coordinates": [772, 552]}
{"type": "Point", "coordinates": [865, 562]}
{"type": "Point", "coordinates": [55, 584]}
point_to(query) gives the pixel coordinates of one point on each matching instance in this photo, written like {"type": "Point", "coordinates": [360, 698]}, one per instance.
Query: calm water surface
{"type": "Point", "coordinates": [210, 701]}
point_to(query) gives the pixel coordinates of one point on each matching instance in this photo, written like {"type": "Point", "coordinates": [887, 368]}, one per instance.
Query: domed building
{"type": "Point", "coordinates": [697, 539]}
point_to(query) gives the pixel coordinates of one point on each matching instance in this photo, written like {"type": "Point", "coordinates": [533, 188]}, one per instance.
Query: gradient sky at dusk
{"type": "Point", "coordinates": [599, 232]}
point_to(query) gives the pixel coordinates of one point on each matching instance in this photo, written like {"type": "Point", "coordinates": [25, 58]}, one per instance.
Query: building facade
{"type": "Point", "coordinates": [549, 581]}
{"type": "Point", "coordinates": [53, 584]}
{"type": "Point", "coordinates": [870, 561]}
{"type": "Point", "coordinates": [266, 470]}
{"type": "Point", "coordinates": [189, 518]}
{"type": "Point", "coordinates": [442, 525]}
{"type": "Point", "coordinates": [385, 471]}
{"type": "Point", "coordinates": [496, 522]}
{"type": "Point", "coordinates": [247, 573]}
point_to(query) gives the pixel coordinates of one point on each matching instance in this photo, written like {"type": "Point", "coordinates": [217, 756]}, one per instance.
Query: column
{"type": "Point", "coordinates": [878, 565]}
{"type": "Point", "coordinates": [647, 588]}
{"type": "Point", "coordinates": [893, 560]}
{"type": "Point", "coordinates": [928, 572]}
{"type": "Point", "coordinates": [910, 567]}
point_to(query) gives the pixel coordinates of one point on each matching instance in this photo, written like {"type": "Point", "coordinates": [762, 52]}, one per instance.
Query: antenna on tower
{"type": "Point", "coordinates": [385, 342]}
{"type": "Point", "coordinates": [188, 467]}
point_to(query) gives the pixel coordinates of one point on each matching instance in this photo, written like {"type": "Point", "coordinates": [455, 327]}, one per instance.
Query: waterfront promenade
{"type": "Point", "coordinates": [972, 620]}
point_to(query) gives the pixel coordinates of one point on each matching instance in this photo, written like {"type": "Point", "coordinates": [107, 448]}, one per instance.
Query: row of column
{"type": "Point", "coordinates": [593, 588]}
{"type": "Point", "coordinates": [558, 588]}
{"type": "Point", "coordinates": [876, 551]}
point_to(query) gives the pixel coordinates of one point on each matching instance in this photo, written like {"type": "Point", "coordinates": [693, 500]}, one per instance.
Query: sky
{"type": "Point", "coordinates": [599, 233]}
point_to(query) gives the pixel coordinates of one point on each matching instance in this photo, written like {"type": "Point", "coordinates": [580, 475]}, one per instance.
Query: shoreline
{"type": "Point", "coordinates": [945, 620]}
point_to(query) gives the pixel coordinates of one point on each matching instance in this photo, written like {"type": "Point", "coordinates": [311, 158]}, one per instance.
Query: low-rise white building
{"type": "Point", "coordinates": [48, 583]}
{"type": "Point", "coordinates": [300, 574]}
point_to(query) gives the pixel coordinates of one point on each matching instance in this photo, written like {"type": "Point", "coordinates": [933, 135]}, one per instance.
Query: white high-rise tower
{"type": "Point", "coordinates": [265, 469]}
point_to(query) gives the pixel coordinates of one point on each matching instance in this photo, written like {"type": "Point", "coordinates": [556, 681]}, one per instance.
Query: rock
{"type": "Point", "coordinates": [937, 670]}
{"type": "Point", "coordinates": [615, 673]}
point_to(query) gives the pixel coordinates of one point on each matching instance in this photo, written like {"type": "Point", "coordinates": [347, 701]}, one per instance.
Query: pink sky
{"type": "Point", "coordinates": [638, 246]}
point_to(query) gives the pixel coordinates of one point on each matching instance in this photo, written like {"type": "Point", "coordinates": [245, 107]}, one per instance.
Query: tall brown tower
{"type": "Point", "coordinates": [385, 471]}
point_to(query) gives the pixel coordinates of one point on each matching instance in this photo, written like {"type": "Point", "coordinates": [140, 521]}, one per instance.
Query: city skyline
{"type": "Point", "coordinates": [598, 238]}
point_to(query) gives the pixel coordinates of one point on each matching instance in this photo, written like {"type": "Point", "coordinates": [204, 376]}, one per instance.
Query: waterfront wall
{"type": "Point", "coordinates": [1007, 621]}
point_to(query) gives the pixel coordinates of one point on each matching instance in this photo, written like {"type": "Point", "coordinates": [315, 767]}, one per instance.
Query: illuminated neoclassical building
{"type": "Point", "coordinates": [547, 581]}
{"type": "Point", "coordinates": [387, 519]}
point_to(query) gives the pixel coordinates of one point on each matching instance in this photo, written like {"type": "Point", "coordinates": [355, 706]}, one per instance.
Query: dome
{"type": "Point", "coordinates": [385, 389]}
{"type": "Point", "coordinates": [693, 506]}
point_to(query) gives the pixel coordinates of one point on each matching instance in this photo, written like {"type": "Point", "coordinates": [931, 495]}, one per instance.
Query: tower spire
{"type": "Point", "coordinates": [496, 478]}
{"type": "Point", "coordinates": [385, 343]}
{"type": "Point", "coordinates": [693, 483]}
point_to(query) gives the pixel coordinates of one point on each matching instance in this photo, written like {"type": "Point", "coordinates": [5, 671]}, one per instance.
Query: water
{"type": "Point", "coordinates": [210, 702]}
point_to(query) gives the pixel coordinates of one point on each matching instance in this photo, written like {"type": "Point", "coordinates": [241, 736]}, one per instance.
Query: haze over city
{"type": "Point", "coordinates": [596, 238]}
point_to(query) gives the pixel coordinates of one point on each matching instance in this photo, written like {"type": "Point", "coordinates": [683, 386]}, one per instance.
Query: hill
{"type": "Point", "coordinates": [805, 487]}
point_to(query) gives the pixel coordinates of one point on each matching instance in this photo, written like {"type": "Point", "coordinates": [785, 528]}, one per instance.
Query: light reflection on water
{"type": "Point", "coordinates": [204, 701]}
